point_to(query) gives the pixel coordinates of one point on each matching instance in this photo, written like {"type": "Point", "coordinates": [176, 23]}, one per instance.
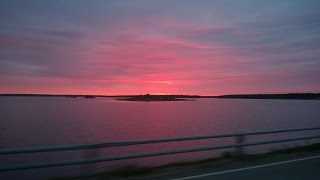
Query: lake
{"type": "Point", "coordinates": [44, 121]}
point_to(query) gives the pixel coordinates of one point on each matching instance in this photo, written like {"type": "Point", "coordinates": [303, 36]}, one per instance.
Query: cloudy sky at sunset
{"type": "Point", "coordinates": [205, 47]}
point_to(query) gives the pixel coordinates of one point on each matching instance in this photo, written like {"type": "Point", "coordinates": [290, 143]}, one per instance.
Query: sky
{"type": "Point", "coordinates": [195, 47]}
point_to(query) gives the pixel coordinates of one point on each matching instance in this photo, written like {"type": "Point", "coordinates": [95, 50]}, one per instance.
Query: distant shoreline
{"type": "Point", "coordinates": [297, 96]}
{"type": "Point", "coordinates": [147, 97]}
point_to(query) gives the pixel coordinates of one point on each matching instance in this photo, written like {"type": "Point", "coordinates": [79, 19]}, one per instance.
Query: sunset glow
{"type": "Point", "coordinates": [159, 47]}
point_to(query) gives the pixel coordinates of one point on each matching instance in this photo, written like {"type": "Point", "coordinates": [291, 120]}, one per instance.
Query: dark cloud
{"type": "Point", "coordinates": [64, 34]}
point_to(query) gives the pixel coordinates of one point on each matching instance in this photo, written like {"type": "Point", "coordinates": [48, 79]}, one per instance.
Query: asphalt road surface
{"type": "Point", "coordinates": [306, 168]}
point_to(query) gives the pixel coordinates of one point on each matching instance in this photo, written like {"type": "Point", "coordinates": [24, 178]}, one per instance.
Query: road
{"type": "Point", "coordinates": [304, 168]}
{"type": "Point", "coordinates": [293, 167]}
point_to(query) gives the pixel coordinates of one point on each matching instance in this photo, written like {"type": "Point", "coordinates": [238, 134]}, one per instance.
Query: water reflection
{"type": "Point", "coordinates": [57, 121]}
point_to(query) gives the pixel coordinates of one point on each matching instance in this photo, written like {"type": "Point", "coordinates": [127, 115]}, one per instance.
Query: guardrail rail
{"type": "Point", "coordinates": [239, 137]}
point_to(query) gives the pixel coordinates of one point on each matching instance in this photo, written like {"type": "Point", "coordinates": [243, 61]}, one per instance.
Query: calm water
{"type": "Point", "coordinates": [29, 121]}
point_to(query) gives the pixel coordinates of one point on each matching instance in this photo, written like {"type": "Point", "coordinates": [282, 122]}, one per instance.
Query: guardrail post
{"type": "Point", "coordinates": [89, 154]}
{"type": "Point", "coordinates": [240, 139]}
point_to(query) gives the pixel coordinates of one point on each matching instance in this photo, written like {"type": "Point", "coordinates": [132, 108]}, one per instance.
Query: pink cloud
{"type": "Point", "coordinates": [144, 56]}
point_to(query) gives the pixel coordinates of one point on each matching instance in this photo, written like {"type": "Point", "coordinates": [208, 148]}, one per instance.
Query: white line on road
{"type": "Point", "coordinates": [246, 168]}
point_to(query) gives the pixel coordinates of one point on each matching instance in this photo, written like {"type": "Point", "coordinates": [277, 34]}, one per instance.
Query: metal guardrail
{"type": "Point", "coordinates": [239, 139]}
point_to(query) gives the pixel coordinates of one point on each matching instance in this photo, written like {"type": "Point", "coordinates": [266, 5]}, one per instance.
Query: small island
{"type": "Point", "coordinates": [148, 98]}
{"type": "Point", "coordinates": [89, 96]}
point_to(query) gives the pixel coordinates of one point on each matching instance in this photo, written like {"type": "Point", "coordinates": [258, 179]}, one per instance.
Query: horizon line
{"type": "Point", "coordinates": [100, 95]}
